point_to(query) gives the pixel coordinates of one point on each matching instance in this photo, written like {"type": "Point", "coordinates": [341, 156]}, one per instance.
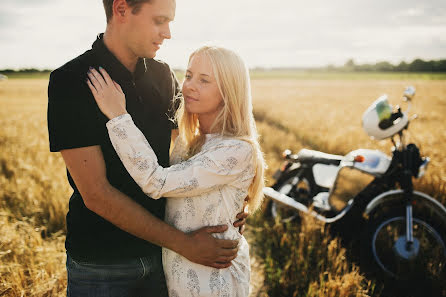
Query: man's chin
{"type": "Point", "coordinates": [148, 55]}
{"type": "Point", "coordinates": [151, 54]}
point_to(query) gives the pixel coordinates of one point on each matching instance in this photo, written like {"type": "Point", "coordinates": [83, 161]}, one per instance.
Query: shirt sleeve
{"type": "Point", "coordinates": [222, 164]}
{"type": "Point", "coordinates": [73, 117]}
{"type": "Point", "coordinates": [179, 151]}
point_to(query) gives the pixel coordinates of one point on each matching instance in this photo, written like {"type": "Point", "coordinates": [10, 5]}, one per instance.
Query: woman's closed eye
{"type": "Point", "coordinates": [202, 80]}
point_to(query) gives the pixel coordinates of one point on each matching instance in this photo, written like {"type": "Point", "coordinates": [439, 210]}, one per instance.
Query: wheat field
{"type": "Point", "coordinates": [321, 114]}
{"type": "Point", "coordinates": [326, 115]}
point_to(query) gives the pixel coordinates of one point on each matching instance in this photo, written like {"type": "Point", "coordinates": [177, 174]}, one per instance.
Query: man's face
{"type": "Point", "coordinates": [147, 29]}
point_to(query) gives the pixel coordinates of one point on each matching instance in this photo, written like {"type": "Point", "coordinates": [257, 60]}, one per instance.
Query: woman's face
{"type": "Point", "coordinates": [200, 90]}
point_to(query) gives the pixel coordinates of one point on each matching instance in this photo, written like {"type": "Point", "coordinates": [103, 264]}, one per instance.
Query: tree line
{"type": "Point", "coordinates": [417, 65]}
{"type": "Point", "coordinates": [25, 70]}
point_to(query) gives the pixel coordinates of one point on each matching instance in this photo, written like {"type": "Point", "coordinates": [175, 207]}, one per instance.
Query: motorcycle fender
{"type": "Point", "coordinates": [419, 197]}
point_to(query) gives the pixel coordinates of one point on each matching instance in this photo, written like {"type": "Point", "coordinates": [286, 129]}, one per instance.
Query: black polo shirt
{"type": "Point", "coordinates": [74, 121]}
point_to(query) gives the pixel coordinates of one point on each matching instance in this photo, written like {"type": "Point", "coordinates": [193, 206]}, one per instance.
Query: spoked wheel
{"type": "Point", "coordinates": [423, 259]}
{"type": "Point", "coordinates": [299, 190]}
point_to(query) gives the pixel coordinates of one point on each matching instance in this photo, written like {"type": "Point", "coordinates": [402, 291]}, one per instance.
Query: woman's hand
{"type": "Point", "coordinates": [107, 93]}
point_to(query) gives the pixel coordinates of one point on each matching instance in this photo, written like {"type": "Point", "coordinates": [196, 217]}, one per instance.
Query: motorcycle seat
{"type": "Point", "coordinates": [310, 156]}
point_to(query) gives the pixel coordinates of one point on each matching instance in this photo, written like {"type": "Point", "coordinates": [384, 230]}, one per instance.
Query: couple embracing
{"type": "Point", "coordinates": [142, 222]}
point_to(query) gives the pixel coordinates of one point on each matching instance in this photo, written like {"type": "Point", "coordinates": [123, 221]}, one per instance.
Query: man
{"type": "Point", "coordinates": [114, 230]}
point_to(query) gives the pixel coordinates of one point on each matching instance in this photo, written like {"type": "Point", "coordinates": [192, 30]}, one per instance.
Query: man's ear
{"type": "Point", "coordinates": [120, 9]}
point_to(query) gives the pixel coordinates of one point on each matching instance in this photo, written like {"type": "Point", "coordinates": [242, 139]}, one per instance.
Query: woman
{"type": "Point", "coordinates": [215, 163]}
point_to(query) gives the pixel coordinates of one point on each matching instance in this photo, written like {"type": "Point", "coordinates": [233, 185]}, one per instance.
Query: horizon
{"type": "Point", "coordinates": [257, 68]}
{"type": "Point", "coordinates": [294, 34]}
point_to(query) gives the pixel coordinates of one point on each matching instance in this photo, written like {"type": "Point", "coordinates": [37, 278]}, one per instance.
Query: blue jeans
{"type": "Point", "coordinates": [141, 277]}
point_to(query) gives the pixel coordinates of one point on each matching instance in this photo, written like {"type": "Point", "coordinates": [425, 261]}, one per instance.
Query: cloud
{"type": "Point", "coordinates": [47, 33]}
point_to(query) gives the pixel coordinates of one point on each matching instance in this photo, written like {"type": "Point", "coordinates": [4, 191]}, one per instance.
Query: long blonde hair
{"type": "Point", "coordinates": [235, 118]}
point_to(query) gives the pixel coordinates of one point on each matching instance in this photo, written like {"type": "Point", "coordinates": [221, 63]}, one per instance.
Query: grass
{"type": "Point", "coordinates": [304, 260]}
{"type": "Point", "coordinates": [299, 260]}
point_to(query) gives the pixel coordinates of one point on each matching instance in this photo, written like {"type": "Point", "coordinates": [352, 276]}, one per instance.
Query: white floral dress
{"type": "Point", "coordinates": [207, 189]}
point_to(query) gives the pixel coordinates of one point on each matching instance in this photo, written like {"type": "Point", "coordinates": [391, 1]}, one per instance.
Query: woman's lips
{"type": "Point", "coordinates": [190, 99]}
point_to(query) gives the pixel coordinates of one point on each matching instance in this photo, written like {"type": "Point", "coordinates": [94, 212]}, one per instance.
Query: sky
{"type": "Point", "coordinates": [284, 33]}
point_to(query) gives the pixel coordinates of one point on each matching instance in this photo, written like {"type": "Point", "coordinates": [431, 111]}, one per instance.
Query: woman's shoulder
{"type": "Point", "coordinates": [237, 142]}
{"type": "Point", "coordinates": [230, 145]}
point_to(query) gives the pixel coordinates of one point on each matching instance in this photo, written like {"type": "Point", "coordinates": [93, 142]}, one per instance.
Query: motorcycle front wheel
{"type": "Point", "coordinates": [392, 254]}
{"type": "Point", "coordinates": [297, 188]}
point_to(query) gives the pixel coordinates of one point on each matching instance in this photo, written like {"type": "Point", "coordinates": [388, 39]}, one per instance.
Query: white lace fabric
{"type": "Point", "coordinates": [206, 190]}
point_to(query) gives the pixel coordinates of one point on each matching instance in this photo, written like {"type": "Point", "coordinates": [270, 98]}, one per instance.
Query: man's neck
{"type": "Point", "coordinates": [119, 50]}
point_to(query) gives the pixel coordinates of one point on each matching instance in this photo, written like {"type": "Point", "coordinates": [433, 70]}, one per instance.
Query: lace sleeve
{"type": "Point", "coordinates": [178, 152]}
{"type": "Point", "coordinates": [226, 162]}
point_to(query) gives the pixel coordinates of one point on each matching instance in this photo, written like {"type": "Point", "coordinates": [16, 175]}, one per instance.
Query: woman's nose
{"type": "Point", "coordinates": [189, 85]}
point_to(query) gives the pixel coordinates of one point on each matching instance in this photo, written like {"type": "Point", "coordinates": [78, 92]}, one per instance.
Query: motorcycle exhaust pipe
{"type": "Point", "coordinates": [284, 199]}
{"type": "Point", "coordinates": [290, 202]}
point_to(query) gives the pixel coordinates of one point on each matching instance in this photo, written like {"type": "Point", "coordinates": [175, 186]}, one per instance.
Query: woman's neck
{"type": "Point", "coordinates": [206, 122]}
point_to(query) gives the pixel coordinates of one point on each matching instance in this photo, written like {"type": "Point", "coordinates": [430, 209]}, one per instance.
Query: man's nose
{"type": "Point", "coordinates": [166, 33]}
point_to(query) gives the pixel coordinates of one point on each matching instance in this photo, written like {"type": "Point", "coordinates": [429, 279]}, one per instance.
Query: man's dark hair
{"type": "Point", "coordinates": [134, 4]}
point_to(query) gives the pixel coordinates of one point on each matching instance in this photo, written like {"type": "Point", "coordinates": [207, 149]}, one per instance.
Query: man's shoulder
{"type": "Point", "coordinates": [161, 77]}
{"type": "Point", "coordinates": [158, 67]}
{"type": "Point", "coordinates": [68, 81]}
{"type": "Point", "coordinates": [157, 64]}
{"type": "Point", "coordinates": [75, 68]}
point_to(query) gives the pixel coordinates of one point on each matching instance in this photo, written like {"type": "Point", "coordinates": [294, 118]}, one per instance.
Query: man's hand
{"type": "Point", "coordinates": [202, 248]}
{"type": "Point", "coordinates": [242, 216]}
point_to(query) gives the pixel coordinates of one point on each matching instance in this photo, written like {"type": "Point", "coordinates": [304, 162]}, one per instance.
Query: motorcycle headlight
{"type": "Point", "coordinates": [423, 167]}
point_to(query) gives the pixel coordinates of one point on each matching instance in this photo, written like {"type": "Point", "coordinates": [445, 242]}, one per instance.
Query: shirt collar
{"type": "Point", "coordinates": [113, 66]}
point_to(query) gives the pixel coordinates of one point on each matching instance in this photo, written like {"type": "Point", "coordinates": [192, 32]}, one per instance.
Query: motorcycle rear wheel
{"type": "Point", "coordinates": [393, 258]}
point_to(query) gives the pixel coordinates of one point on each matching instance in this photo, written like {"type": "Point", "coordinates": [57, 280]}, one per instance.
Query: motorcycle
{"type": "Point", "coordinates": [402, 231]}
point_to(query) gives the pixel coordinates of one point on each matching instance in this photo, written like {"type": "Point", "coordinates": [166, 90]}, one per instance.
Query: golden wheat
{"type": "Point", "coordinates": [322, 115]}
{"type": "Point", "coordinates": [33, 195]}
{"type": "Point", "coordinates": [326, 115]}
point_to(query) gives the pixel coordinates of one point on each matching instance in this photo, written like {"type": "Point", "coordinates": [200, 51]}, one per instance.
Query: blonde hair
{"type": "Point", "coordinates": [235, 118]}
